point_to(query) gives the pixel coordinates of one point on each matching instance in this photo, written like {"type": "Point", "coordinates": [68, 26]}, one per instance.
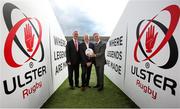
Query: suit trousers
{"type": "Point", "coordinates": [86, 73]}
{"type": "Point", "coordinates": [75, 69]}
{"type": "Point", "coordinates": [100, 75]}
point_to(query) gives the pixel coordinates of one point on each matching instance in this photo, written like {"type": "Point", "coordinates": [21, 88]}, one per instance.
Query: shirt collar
{"type": "Point", "coordinates": [86, 43]}
{"type": "Point", "coordinates": [74, 40]}
{"type": "Point", "coordinates": [98, 41]}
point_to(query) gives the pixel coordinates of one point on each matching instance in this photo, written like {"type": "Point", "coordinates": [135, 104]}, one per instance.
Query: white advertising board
{"type": "Point", "coordinates": [58, 54]}
{"type": "Point", "coordinates": [26, 34]}
{"type": "Point", "coordinates": [151, 59]}
{"type": "Point", "coordinates": [116, 54]}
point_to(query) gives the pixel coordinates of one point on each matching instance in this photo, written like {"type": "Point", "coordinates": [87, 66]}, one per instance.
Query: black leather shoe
{"type": "Point", "coordinates": [96, 86]}
{"type": "Point", "coordinates": [72, 88]}
{"type": "Point", "coordinates": [100, 89]}
{"type": "Point", "coordinates": [78, 86]}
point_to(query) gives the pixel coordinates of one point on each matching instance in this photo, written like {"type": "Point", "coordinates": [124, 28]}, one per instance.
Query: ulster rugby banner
{"type": "Point", "coordinates": [25, 68]}
{"type": "Point", "coordinates": [150, 52]}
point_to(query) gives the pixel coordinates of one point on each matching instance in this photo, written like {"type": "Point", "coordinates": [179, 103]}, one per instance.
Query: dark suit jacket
{"type": "Point", "coordinates": [99, 50]}
{"type": "Point", "coordinates": [72, 54]}
{"type": "Point", "coordinates": [84, 58]}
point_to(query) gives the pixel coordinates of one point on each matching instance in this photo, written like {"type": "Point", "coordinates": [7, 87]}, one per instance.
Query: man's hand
{"type": "Point", "coordinates": [150, 38]}
{"type": "Point", "coordinates": [88, 54]}
{"type": "Point", "coordinates": [93, 55]}
{"type": "Point", "coordinates": [69, 63]}
{"type": "Point", "coordinates": [88, 64]}
{"type": "Point", "coordinates": [29, 37]}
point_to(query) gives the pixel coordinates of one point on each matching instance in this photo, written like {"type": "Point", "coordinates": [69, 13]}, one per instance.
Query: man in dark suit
{"type": "Point", "coordinates": [73, 60]}
{"type": "Point", "coordinates": [99, 54]}
{"type": "Point", "coordinates": [86, 61]}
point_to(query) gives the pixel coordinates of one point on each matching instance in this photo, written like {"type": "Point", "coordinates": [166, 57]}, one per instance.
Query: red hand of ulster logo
{"type": "Point", "coordinates": [29, 37]}
{"type": "Point", "coordinates": [32, 29]}
{"type": "Point", "coordinates": [151, 36]}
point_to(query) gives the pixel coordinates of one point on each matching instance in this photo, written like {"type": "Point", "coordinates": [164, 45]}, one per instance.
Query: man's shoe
{"type": "Point", "coordinates": [72, 88]}
{"type": "Point", "coordinates": [96, 86]}
{"type": "Point", "coordinates": [82, 88]}
{"type": "Point", "coordinates": [88, 86]}
{"type": "Point", "coordinates": [78, 86]}
{"type": "Point", "coordinates": [100, 89]}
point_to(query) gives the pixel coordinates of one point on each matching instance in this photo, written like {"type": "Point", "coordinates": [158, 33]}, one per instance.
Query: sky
{"type": "Point", "coordinates": [88, 16]}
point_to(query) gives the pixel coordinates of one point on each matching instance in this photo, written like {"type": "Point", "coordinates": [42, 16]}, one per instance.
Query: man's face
{"type": "Point", "coordinates": [75, 35]}
{"type": "Point", "coordinates": [96, 37]}
{"type": "Point", "coordinates": [86, 38]}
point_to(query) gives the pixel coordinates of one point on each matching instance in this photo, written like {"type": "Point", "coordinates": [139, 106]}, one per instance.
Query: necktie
{"type": "Point", "coordinates": [76, 45]}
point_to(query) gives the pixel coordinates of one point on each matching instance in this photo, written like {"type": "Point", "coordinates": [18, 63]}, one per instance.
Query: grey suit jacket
{"type": "Point", "coordinates": [99, 50]}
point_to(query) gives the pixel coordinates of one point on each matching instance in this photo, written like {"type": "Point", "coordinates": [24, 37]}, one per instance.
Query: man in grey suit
{"type": "Point", "coordinates": [99, 54]}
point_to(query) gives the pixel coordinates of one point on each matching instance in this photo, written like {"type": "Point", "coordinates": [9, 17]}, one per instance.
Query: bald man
{"type": "Point", "coordinates": [86, 61]}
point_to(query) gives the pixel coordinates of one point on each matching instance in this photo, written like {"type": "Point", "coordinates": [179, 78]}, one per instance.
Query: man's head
{"type": "Point", "coordinates": [75, 35]}
{"type": "Point", "coordinates": [96, 37]}
{"type": "Point", "coordinates": [86, 38]}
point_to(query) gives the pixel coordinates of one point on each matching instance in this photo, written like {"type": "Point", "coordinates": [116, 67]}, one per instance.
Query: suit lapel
{"type": "Point", "coordinates": [85, 46]}
{"type": "Point", "coordinates": [98, 46]}
{"type": "Point", "coordinates": [73, 44]}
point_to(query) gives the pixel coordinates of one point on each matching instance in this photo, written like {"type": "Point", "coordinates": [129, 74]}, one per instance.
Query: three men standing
{"type": "Point", "coordinates": [76, 53]}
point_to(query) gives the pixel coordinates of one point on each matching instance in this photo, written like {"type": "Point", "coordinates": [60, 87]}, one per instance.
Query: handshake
{"type": "Point", "coordinates": [89, 52]}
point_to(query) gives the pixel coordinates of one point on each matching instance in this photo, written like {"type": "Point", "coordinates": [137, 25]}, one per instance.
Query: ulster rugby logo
{"type": "Point", "coordinates": [151, 34]}
{"type": "Point", "coordinates": [31, 29]}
